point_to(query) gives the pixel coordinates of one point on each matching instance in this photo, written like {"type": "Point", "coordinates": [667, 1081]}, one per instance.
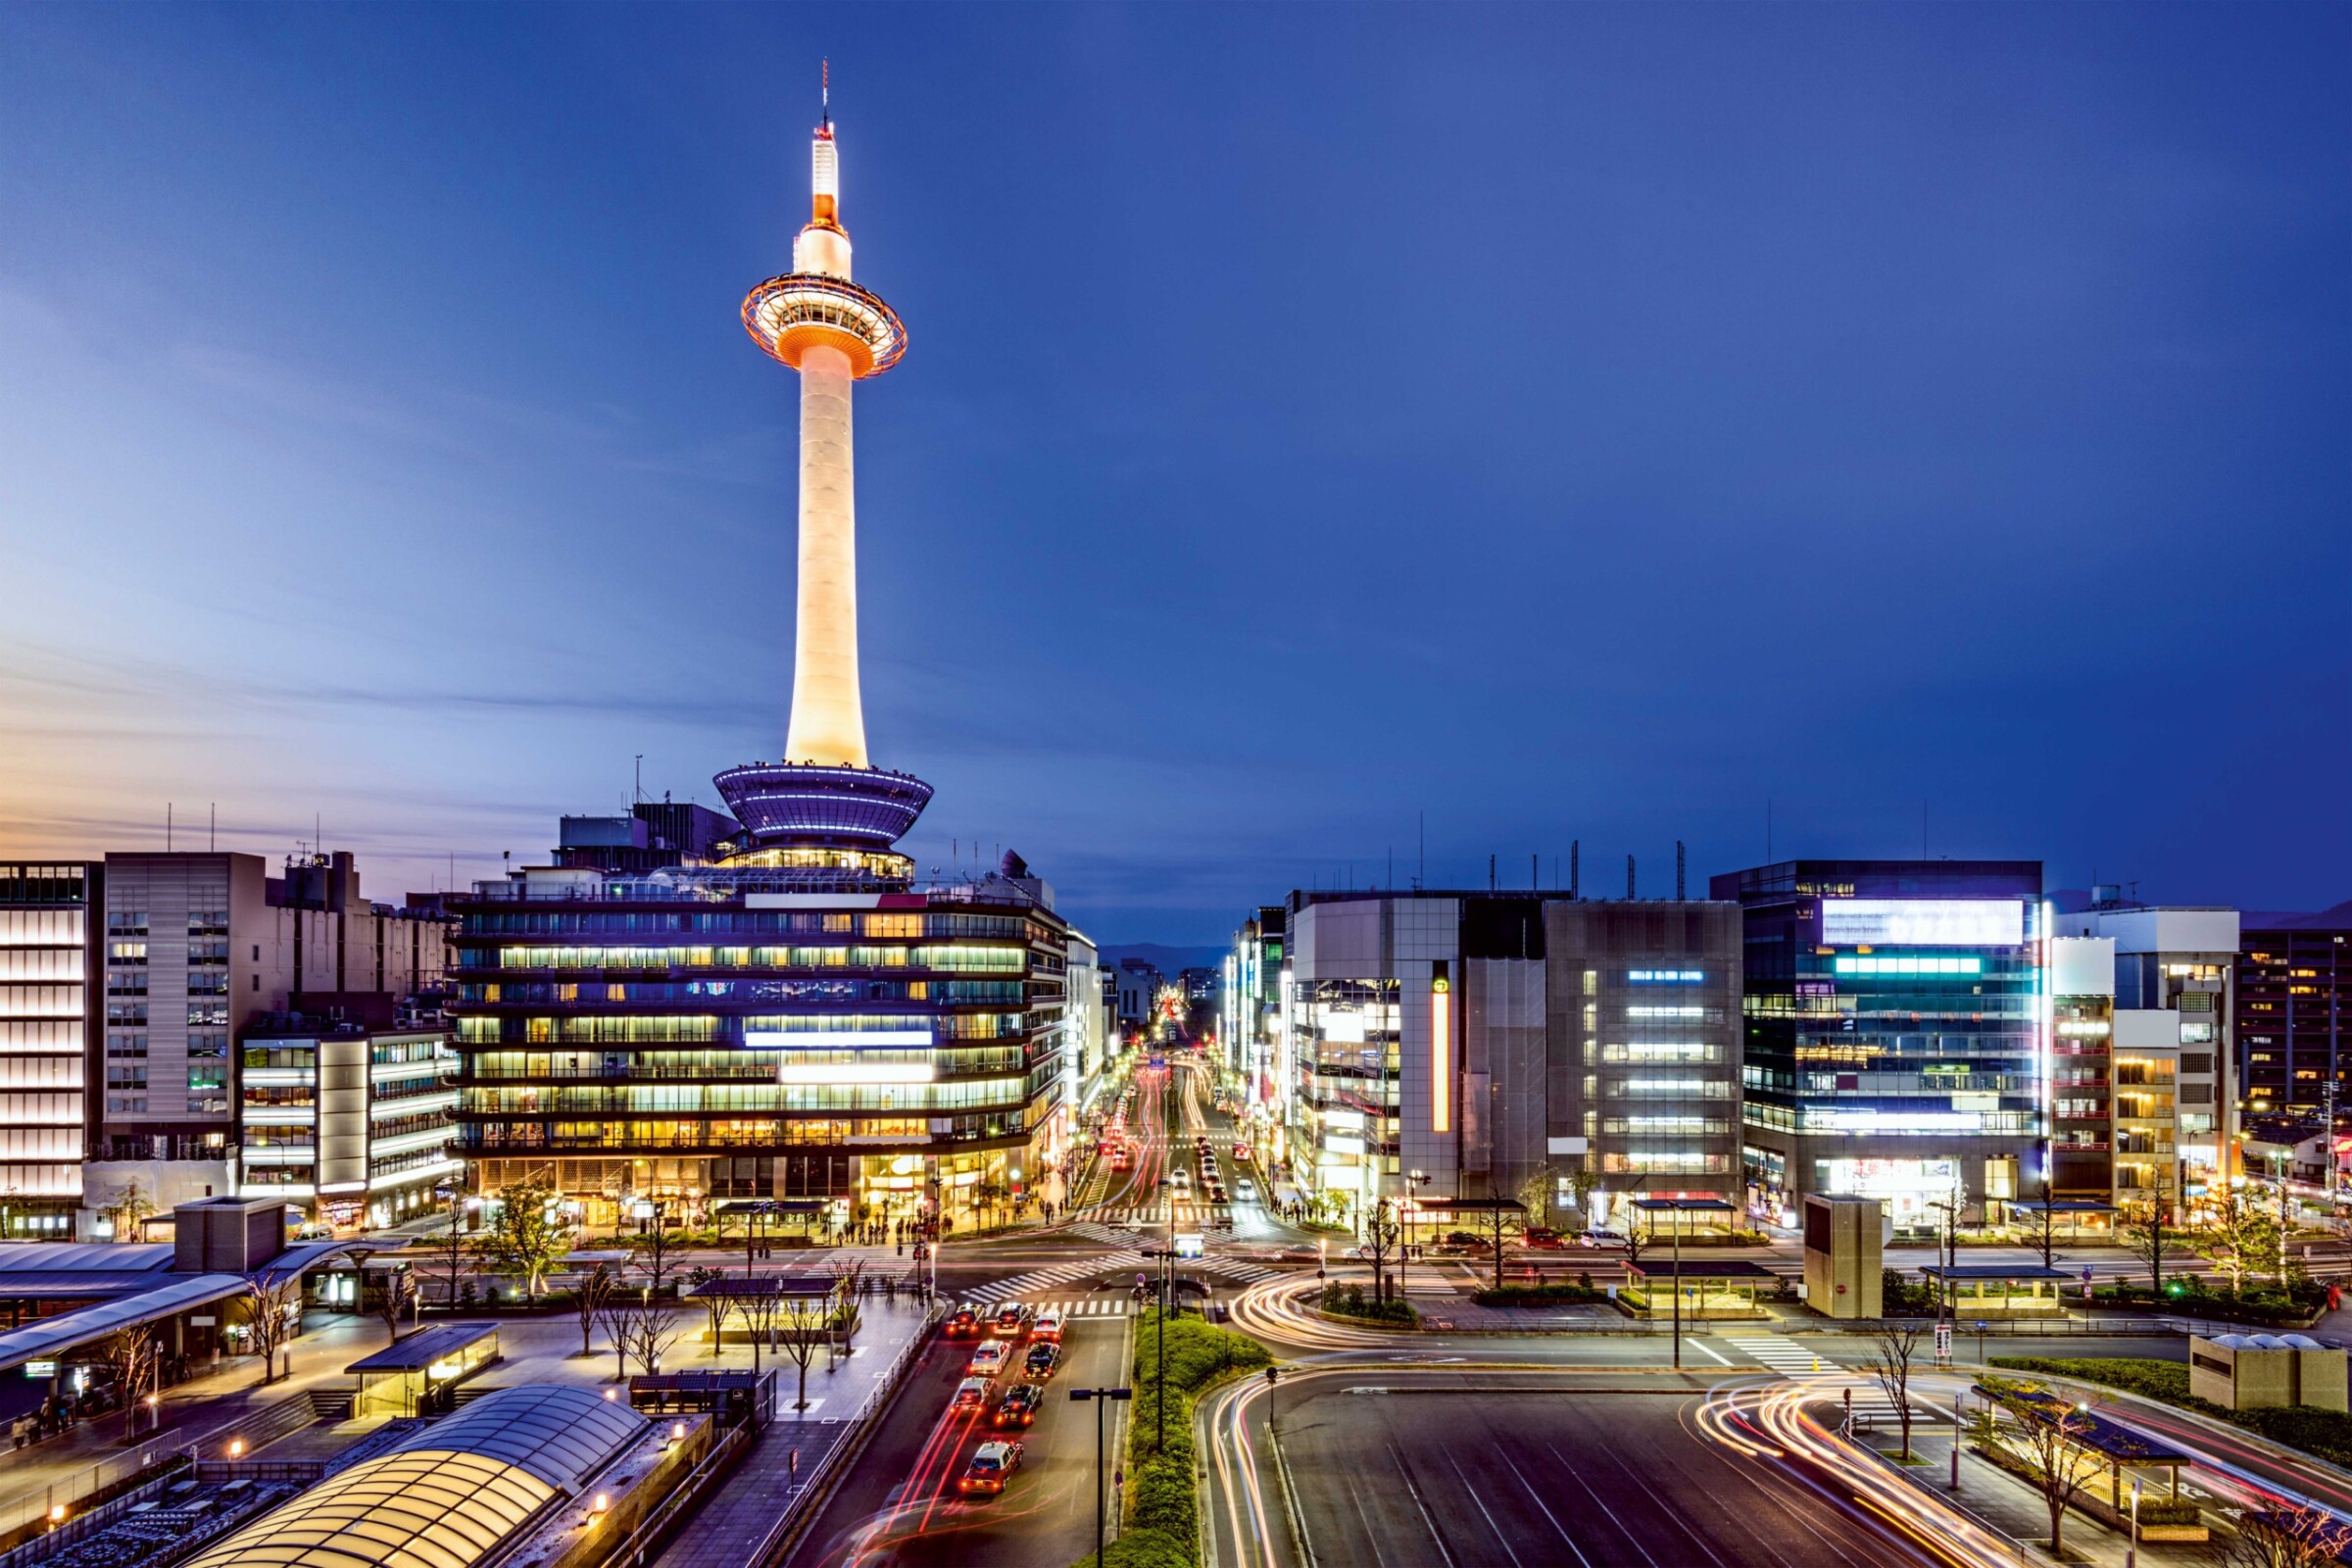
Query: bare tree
{"type": "Point", "coordinates": [135, 1356]}
{"type": "Point", "coordinates": [1381, 1231]}
{"type": "Point", "coordinates": [2058, 1456]}
{"type": "Point", "coordinates": [398, 1294]}
{"type": "Point", "coordinates": [639, 1326]}
{"type": "Point", "coordinates": [848, 1284]}
{"type": "Point", "coordinates": [1895, 1346]}
{"type": "Point", "coordinates": [801, 1324]}
{"type": "Point", "coordinates": [267, 1303]}
{"type": "Point", "coordinates": [707, 1283]}
{"type": "Point", "coordinates": [2043, 1234]}
{"type": "Point", "coordinates": [2146, 1232]}
{"type": "Point", "coordinates": [760, 1317]}
{"type": "Point", "coordinates": [451, 1249]}
{"type": "Point", "coordinates": [617, 1314]}
{"type": "Point", "coordinates": [595, 1292]}
{"type": "Point", "coordinates": [1496, 1222]}
{"type": "Point", "coordinates": [2289, 1536]}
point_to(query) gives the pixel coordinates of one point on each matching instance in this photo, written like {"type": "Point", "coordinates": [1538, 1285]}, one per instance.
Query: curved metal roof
{"type": "Point", "coordinates": [447, 1498]}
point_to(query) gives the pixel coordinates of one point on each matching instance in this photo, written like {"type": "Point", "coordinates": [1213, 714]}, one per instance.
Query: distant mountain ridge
{"type": "Point", "coordinates": [1166, 959]}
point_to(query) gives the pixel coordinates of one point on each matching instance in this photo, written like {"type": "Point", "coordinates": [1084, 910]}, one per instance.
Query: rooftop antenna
{"type": "Point", "coordinates": [211, 827]}
{"type": "Point", "coordinates": [167, 827]}
{"type": "Point", "coordinates": [1575, 847]}
{"type": "Point", "coordinates": [824, 96]}
{"type": "Point", "coordinates": [1677, 870]}
{"type": "Point", "coordinates": [1628, 877]}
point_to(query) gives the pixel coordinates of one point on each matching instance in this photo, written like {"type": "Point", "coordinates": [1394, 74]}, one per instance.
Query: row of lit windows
{"type": "Point", "coordinates": [972, 957]}
{"type": "Point", "coordinates": [949, 993]}
{"type": "Point", "coordinates": [897, 926]}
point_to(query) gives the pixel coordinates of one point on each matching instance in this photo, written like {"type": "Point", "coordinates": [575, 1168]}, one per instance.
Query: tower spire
{"type": "Point", "coordinates": [824, 98]}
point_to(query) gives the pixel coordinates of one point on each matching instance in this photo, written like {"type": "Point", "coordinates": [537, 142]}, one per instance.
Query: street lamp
{"type": "Point", "coordinates": [2131, 1551]}
{"type": "Point", "coordinates": [1101, 1397]}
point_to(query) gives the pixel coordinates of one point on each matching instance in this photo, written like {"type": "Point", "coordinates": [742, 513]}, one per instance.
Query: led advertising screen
{"type": "Point", "coordinates": [1922, 923]}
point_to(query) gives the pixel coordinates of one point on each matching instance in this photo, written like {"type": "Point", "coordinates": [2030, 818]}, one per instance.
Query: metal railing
{"type": "Point", "coordinates": [819, 1475]}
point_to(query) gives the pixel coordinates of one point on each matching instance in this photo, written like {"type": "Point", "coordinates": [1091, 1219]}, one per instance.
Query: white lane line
{"type": "Point", "coordinates": [1702, 1345]}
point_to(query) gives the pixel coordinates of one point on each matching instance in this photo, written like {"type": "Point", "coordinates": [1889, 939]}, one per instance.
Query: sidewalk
{"type": "Point", "coordinates": [774, 1475]}
{"type": "Point", "coordinates": [2010, 1505]}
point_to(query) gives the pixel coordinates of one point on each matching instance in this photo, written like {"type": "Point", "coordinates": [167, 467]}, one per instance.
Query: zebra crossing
{"type": "Point", "coordinates": [1824, 1377]}
{"type": "Point", "coordinates": [1060, 1276]}
{"type": "Point", "coordinates": [1188, 1212]}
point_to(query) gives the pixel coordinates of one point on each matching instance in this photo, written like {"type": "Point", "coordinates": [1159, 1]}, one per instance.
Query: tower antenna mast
{"type": "Point", "coordinates": [825, 95]}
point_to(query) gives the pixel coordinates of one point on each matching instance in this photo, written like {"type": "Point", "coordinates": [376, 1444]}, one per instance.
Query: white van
{"type": "Point", "coordinates": [1180, 1181]}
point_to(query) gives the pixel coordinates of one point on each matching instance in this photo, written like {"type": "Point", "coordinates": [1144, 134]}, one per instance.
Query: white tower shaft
{"type": "Point", "coordinates": [828, 713]}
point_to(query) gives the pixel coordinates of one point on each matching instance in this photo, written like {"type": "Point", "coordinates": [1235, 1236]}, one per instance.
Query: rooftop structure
{"type": "Point", "coordinates": [451, 1496]}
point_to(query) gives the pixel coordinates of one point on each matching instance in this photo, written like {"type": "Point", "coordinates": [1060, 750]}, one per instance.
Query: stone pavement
{"type": "Point", "coordinates": [776, 1474]}
{"type": "Point", "coordinates": [2011, 1506]}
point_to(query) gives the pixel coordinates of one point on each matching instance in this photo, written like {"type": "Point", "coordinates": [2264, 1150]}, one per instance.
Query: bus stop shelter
{"type": "Point", "coordinates": [2000, 1290]}
{"type": "Point", "coordinates": [1711, 1289]}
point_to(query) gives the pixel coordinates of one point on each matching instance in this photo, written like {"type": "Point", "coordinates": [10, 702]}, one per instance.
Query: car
{"type": "Point", "coordinates": [1012, 1320]}
{"type": "Point", "coordinates": [993, 1462]}
{"type": "Point", "coordinates": [962, 1324]}
{"type": "Point", "coordinates": [1042, 1359]}
{"type": "Point", "coordinates": [1241, 1152]}
{"type": "Point", "coordinates": [1018, 1408]}
{"type": "Point", "coordinates": [1245, 1189]}
{"type": "Point", "coordinates": [973, 1394]}
{"type": "Point", "coordinates": [1216, 1191]}
{"type": "Point", "coordinates": [1597, 1237]}
{"type": "Point", "coordinates": [1542, 1239]}
{"type": "Point", "coordinates": [1047, 1328]}
{"type": "Point", "coordinates": [989, 1358]}
{"type": "Point", "coordinates": [1181, 1181]}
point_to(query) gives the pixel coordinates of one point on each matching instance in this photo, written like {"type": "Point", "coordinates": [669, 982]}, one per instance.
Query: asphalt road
{"type": "Point", "coordinates": [898, 1506]}
{"type": "Point", "coordinates": [1504, 1470]}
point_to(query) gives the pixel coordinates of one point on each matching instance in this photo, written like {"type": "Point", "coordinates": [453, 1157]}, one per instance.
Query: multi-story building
{"type": "Point", "coordinates": [2175, 1099]}
{"type": "Point", "coordinates": [197, 945]}
{"type": "Point", "coordinates": [51, 965]}
{"type": "Point", "coordinates": [2294, 975]}
{"type": "Point", "coordinates": [656, 834]}
{"type": "Point", "coordinates": [735, 1032]}
{"type": "Point", "coordinates": [349, 1119]}
{"type": "Point", "coordinates": [1138, 982]}
{"type": "Point", "coordinates": [2086, 1105]}
{"type": "Point", "coordinates": [1895, 1033]}
{"type": "Point", "coordinates": [1534, 1047]}
{"type": "Point", "coordinates": [1252, 993]}
{"type": "Point", "coordinates": [1086, 1032]}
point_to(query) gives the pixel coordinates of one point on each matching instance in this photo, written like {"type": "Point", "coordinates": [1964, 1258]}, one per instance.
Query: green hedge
{"type": "Point", "coordinates": [1350, 1301]}
{"type": "Point", "coordinates": [1162, 1518]}
{"type": "Point", "coordinates": [2322, 1433]}
{"type": "Point", "coordinates": [1536, 1294]}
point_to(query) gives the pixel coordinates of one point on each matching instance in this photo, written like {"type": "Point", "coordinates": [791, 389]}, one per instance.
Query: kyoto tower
{"type": "Point", "coordinates": [825, 809]}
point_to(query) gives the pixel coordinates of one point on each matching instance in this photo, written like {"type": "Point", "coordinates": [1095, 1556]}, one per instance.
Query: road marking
{"type": "Point", "coordinates": [1702, 1345]}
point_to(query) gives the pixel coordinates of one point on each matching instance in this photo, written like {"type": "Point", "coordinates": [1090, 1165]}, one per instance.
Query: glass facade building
{"type": "Point", "coordinates": [1896, 1034]}
{"type": "Point", "coordinates": [696, 1037]}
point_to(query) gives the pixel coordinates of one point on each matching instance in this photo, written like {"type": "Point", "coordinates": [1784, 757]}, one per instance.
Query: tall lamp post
{"type": "Point", "coordinates": [1101, 1397]}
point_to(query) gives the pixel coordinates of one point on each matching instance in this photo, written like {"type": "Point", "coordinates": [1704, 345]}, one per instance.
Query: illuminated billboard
{"type": "Point", "coordinates": [1922, 923]}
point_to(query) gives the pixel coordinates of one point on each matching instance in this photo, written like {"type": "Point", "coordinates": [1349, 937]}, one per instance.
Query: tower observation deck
{"type": "Point", "coordinates": [825, 809]}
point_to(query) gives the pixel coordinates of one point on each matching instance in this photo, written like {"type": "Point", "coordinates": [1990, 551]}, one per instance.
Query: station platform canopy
{"type": "Point", "coordinates": [54, 1338]}
{"type": "Point", "coordinates": [450, 1497]}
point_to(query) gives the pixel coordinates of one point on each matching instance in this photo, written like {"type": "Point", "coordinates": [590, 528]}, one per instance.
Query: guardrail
{"type": "Point", "coordinates": [256, 1427]}
{"type": "Point", "coordinates": [820, 1476]}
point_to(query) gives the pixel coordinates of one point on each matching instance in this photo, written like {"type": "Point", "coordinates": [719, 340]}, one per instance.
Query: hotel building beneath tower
{"type": "Point", "coordinates": [791, 1015]}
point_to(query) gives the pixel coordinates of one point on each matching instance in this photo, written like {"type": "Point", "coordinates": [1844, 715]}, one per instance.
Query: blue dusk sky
{"type": "Point", "coordinates": [1928, 425]}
